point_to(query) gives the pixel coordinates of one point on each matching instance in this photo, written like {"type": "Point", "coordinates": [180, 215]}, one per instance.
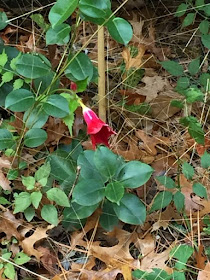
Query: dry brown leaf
{"type": "Point", "coordinates": [4, 182]}
{"type": "Point", "coordinates": [29, 242]}
{"type": "Point", "coordinates": [133, 62]}
{"type": "Point", "coordinates": [48, 259]}
{"type": "Point", "coordinates": [204, 274]}
{"type": "Point", "coordinates": [200, 257]}
{"type": "Point", "coordinates": [153, 85]}
{"type": "Point", "coordinates": [9, 225]}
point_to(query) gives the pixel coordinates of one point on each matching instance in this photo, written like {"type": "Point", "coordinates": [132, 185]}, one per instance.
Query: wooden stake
{"type": "Point", "coordinates": [101, 73]}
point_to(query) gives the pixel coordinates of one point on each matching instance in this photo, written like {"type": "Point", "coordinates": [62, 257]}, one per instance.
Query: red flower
{"type": "Point", "coordinates": [98, 130]}
{"type": "Point", "coordinates": [73, 86]}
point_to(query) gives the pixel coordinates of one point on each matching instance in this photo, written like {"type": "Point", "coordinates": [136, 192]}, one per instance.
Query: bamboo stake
{"type": "Point", "coordinates": [101, 78]}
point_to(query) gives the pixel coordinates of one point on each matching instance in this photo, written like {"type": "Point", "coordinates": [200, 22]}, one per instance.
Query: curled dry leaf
{"type": "Point", "coordinates": [133, 62]}
{"type": "Point", "coordinates": [4, 182]}
{"type": "Point", "coordinates": [9, 225]}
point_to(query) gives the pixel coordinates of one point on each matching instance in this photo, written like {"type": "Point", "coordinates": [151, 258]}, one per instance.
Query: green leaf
{"type": "Point", "coordinates": [195, 130]}
{"type": "Point", "coordinates": [188, 20]}
{"type": "Point", "coordinates": [134, 174]}
{"type": "Point", "coordinates": [114, 192]}
{"type": "Point", "coordinates": [194, 66]}
{"type": "Point", "coordinates": [77, 211]}
{"type": "Point", "coordinates": [59, 196]}
{"type": "Point", "coordinates": [193, 94]}
{"type": "Point", "coordinates": [43, 173]}
{"type": "Point", "coordinates": [22, 201]}
{"type": "Point", "coordinates": [182, 253]}
{"type": "Point", "coordinates": [46, 83]}
{"type": "Point", "coordinates": [156, 274]}
{"type": "Point", "coordinates": [188, 170]}
{"type": "Point", "coordinates": [161, 200]}
{"type": "Point", "coordinates": [56, 106]}
{"type": "Point", "coordinates": [12, 174]}
{"type": "Point", "coordinates": [204, 27]}
{"type": "Point", "coordinates": [3, 20]}
{"type": "Point", "coordinates": [36, 197]}
{"type": "Point", "coordinates": [9, 271]}
{"type": "Point", "coordinates": [96, 11]}
{"type": "Point", "coordinates": [6, 256]}
{"type": "Point", "coordinates": [205, 39]}
{"type": "Point", "coordinates": [50, 214]}
{"type": "Point", "coordinates": [181, 9]}
{"type": "Point", "coordinates": [182, 83]}
{"type": "Point", "coordinates": [21, 258]}
{"type": "Point", "coordinates": [200, 190]}
{"type": "Point", "coordinates": [166, 181]}
{"type": "Point", "coordinates": [19, 100]}
{"type": "Point", "coordinates": [199, 4]}
{"type": "Point", "coordinates": [88, 168]}
{"type": "Point", "coordinates": [205, 160]}
{"type": "Point", "coordinates": [35, 137]}
{"type": "Point", "coordinates": [35, 118]}
{"type": "Point", "coordinates": [32, 66]}
{"type": "Point", "coordinates": [40, 21]}
{"type": "Point", "coordinates": [108, 219]}
{"type": "Point", "coordinates": [4, 201]}
{"type": "Point", "coordinates": [131, 210]}
{"type": "Point", "coordinates": [178, 275]}
{"type": "Point", "coordinates": [179, 201]}
{"type": "Point", "coordinates": [120, 30]}
{"type": "Point", "coordinates": [29, 213]}
{"type": "Point", "coordinates": [6, 77]}
{"type": "Point", "coordinates": [73, 225]}
{"type": "Point", "coordinates": [18, 84]}
{"type": "Point", "coordinates": [61, 11]}
{"type": "Point", "coordinates": [205, 81]}
{"type": "Point", "coordinates": [88, 192]}
{"type": "Point", "coordinates": [177, 103]}
{"type": "Point", "coordinates": [106, 161]}
{"type": "Point", "coordinates": [6, 139]}
{"type": "Point", "coordinates": [174, 68]}
{"type": "Point", "coordinates": [28, 182]}
{"type": "Point", "coordinates": [58, 35]}
{"type": "Point", "coordinates": [3, 56]}
{"type": "Point", "coordinates": [62, 167]}
{"type": "Point", "coordinates": [79, 68]}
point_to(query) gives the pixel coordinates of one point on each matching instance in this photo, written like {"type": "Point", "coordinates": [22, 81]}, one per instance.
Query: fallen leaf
{"type": "Point", "coordinates": [204, 274]}
{"type": "Point", "coordinates": [133, 62]}
{"type": "Point", "coordinates": [9, 225]}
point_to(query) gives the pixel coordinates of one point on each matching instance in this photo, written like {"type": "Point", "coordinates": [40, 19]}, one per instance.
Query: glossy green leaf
{"type": "Point", "coordinates": [120, 30]}
{"type": "Point", "coordinates": [12, 174]}
{"type": "Point", "coordinates": [58, 35]}
{"type": "Point", "coordinates": [19, 100]}
{"type": "Point", "coordinates": [188, 20]}
{"type": "Point", "coordinates": [166, 181]}
{"type": "Point", "coordinates": [204, 27]}
{"type": "Point", "coordinates": [77, 211]}
{"type": "Point", "coordinates": [56, 106]}
{"type": "Point", "coordinates": [61, 11]}
{"type": "Point", "coordinates": [205, 160]}
{"type": "Point", "coordinates": [131, 210]}
{"type": "Point", "coordinates": [194, 66]}
{"type": "Point", "coordinates": [29, 213]}
{"type": "Point", "coordinates": [22, 201]}
{"type": "Point", "coordinates": [96, 11]}
{"type": "Point", "coordinates": [46, 84]}
{"type": "Point", "coordinates": [173, 67]}
{"type": "Point", "coordinates": [88, 192]}
{"type": "Point", "coordinates": [106, 161]}
{"type": "Point", "coordinates": [200, 190]}
{"type": "Point", "coordinates": [188, 170]}
{"type": "Point", "coordinates": [21, 258]}
{"type": "Point", "coordinates": [35, 118]}
{"type": "Point", "coordinates": [114, 191]}
{"type": "Point", "coordinates": [35, 137]}
{"type": "Point", "coordinates": [179, 201]}
{"type": "Point", "coordinates": [205, 39]}
{"type": "Point", "coordinates": [36, 197]}
{"type": "Point", "coordinates": [161, 200]}
{"type": "Point", "coordinates": [108, 219]}
{"type": "Point", "coordinates": [3, 20]}
{"type": "Point", "coordinates": [50, 214]}
{"type": "Point", "coordinates": [59, 196]}
{"type": "Point", "coordinates": [32, 66]}
{"type": "Point", "coordinates": [134, 174]}
{"type": "Point", "coordinates": [6, 139]}
{"type": "Point", "coordinates": [181, 9]}
{"type": "Point", "coordinates": [79, 68]}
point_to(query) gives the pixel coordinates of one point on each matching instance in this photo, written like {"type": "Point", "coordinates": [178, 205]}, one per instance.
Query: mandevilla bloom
{"type": "Point", "coordinates": [98, 130]}
{"type": "Point", "coordinates": [73, 86]}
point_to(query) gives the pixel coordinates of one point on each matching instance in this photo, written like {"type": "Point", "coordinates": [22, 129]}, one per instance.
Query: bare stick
{"type": "Point", "coordinates": [101, 72]}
